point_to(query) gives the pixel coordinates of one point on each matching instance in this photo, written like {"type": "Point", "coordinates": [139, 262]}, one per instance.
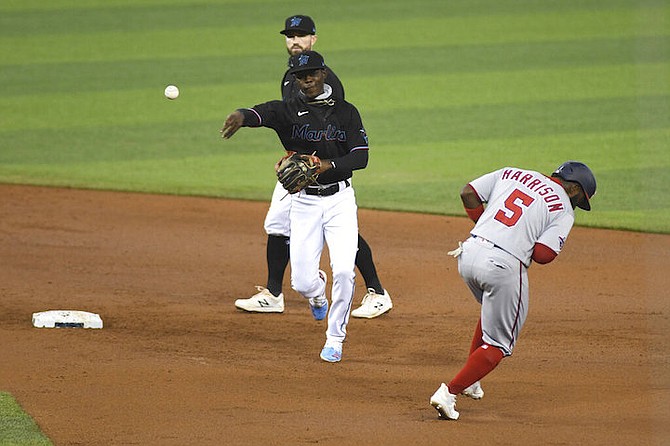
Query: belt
{"type": "Point", "coordinates": [327, 191]}
{"type": "Point", "coordinates": [486, 241]}
{"type": "Point", "coordinates": [490, 244]}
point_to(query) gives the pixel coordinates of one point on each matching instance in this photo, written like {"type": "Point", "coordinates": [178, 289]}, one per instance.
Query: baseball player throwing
{"type": "Point", "coordinates": [300, 36]}
{"type": "Point", "coordinates": [315, 124]}
{"type": "Point", "coordinates": [527, 218]}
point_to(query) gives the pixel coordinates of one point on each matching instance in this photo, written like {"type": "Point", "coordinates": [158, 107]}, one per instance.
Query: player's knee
{"type": "Point", "coordinates": [307, 286]}
{"type": "Point", "coordinates": [343, 275]}
{"type": "Point", "coordinates": [496, 351]}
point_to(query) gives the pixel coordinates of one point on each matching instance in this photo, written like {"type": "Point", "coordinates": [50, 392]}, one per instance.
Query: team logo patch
{"type": "Point", "coordinates": [295, 21]}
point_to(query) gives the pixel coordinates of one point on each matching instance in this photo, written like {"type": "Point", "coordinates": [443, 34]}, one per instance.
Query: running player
{"type": "Point", "coordinates": [314, 123]}
{"type": "Point", "coordinates": [300, 34]}
{"type": "Point", "coordinates": [527, 218]}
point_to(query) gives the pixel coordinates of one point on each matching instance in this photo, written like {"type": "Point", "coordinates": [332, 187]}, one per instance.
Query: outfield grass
{"type": "Point", "coordinates": [16, 427]}
{"type": "Point", "coordinates": [448, 90]}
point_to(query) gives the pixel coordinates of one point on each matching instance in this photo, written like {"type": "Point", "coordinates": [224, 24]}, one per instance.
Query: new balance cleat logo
{"type": "Point", "coordinates": [262, 302]}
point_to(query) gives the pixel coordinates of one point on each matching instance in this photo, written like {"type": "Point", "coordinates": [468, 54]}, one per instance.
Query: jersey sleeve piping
{"type": "Point", "coordinates": [249, 115]}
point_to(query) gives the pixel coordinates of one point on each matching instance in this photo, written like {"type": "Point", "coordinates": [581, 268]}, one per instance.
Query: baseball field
{"type": "Point", "coordinates": [118, 201]}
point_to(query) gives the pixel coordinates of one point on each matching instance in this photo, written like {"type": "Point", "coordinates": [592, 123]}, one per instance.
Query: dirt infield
{"type": "Point", "coordinates": [177, 364]}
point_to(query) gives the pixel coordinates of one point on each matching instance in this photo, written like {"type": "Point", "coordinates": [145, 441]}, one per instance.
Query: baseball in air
{"type": "Point", "coordinates": [171, 92]}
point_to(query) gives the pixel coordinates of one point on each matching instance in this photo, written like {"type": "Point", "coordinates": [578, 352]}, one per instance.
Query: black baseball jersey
{"type": "Point", "coordinates": [290, 89]}
{"type": "Point", "coordinates": [331, 128]}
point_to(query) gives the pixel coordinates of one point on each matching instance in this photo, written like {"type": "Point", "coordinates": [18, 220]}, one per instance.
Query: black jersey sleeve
{"type": "Point", "coordinates": [268, 114]}
{"type": "Point", "coordinates": [358, 139]}
{"type": "Point", "coordinates": [251, 117]}
{"type": "Point", "coordinates": [357, 144]}
{"type": "Point", "coordinates": [358, 159]}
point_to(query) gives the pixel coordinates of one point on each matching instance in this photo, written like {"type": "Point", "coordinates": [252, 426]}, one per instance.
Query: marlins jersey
{"type": "Point", "coordinates": [527, 199]}
{"type": "Point", "coordinates": [328, 128]}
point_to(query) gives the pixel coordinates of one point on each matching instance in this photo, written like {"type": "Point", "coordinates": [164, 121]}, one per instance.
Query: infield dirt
{"type": "Point", "coordinates": [177, 364]}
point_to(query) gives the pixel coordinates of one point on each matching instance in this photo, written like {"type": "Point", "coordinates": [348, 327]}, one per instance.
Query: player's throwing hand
{"type": "Point", "coordinates": [232, 124]}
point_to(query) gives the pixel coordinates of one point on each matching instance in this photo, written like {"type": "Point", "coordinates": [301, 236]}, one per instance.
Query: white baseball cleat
{"type": "Point", "coordinates": [445, 403]}
{"type": "Point", "coordinates": [475, 391]}
{"type": "Point", "coordinates": [262, 302]}
{"type": "Point", "coordinates": [373, 305]}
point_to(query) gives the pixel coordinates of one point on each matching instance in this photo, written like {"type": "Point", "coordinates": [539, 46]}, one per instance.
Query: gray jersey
{"type": "Point", "coordinates": [524, 207]}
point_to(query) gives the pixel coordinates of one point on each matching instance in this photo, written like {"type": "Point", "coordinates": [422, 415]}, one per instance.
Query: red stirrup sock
{"type": "Point", "coordinates": [477, 339]}
{"type": "Point", "coordinates": [479, 364]}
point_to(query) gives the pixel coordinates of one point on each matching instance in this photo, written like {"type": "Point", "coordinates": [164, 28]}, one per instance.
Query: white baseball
{"type": "Point", "coordinates": [171, 92]}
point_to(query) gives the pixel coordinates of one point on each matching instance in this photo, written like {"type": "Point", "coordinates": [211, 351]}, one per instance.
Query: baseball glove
{"type": "Point", "coordinates": [295, 171]}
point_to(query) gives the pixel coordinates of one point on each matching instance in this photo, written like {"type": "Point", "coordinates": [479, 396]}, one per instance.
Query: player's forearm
{"type": "Point", "coordinates": [471, 202]}
{"type": "Point", "coordinates": [358, 159]}
{"type": "Point", "coordinates": [251, 117]}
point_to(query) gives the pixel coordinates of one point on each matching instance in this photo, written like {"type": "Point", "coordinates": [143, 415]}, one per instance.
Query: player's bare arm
{"type": "Point", "coordinates": [232, 124]}
{"type": "Point", "coordinates": [471, 202]}
{"type": "Point", "coordinates": [470, 198]}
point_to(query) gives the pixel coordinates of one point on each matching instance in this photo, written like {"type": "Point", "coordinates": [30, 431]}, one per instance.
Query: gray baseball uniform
{"type": "Point", "coordinates": [524, 207]}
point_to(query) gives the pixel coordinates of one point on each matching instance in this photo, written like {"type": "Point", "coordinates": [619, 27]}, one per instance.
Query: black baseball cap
{"type": "Point", "coordinates": [309, 60]}
{"type": "Point", "coordinates": [299, 24]}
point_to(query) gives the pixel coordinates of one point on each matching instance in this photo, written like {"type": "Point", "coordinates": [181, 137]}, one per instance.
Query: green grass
{"type": "Point", "coordinates": [16, 427]}
{"type": "Point", "coordinates": [447, 92]}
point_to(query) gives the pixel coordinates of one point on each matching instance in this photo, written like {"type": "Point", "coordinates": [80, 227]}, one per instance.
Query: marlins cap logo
{"type": "Point", "coordinates": [303, 59]}
{"type": "Point", "coordinates": [295, 21]}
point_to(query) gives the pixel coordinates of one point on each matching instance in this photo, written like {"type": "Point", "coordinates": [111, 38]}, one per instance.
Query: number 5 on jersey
{"type": "Point", "coordinates": [512, 204]}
